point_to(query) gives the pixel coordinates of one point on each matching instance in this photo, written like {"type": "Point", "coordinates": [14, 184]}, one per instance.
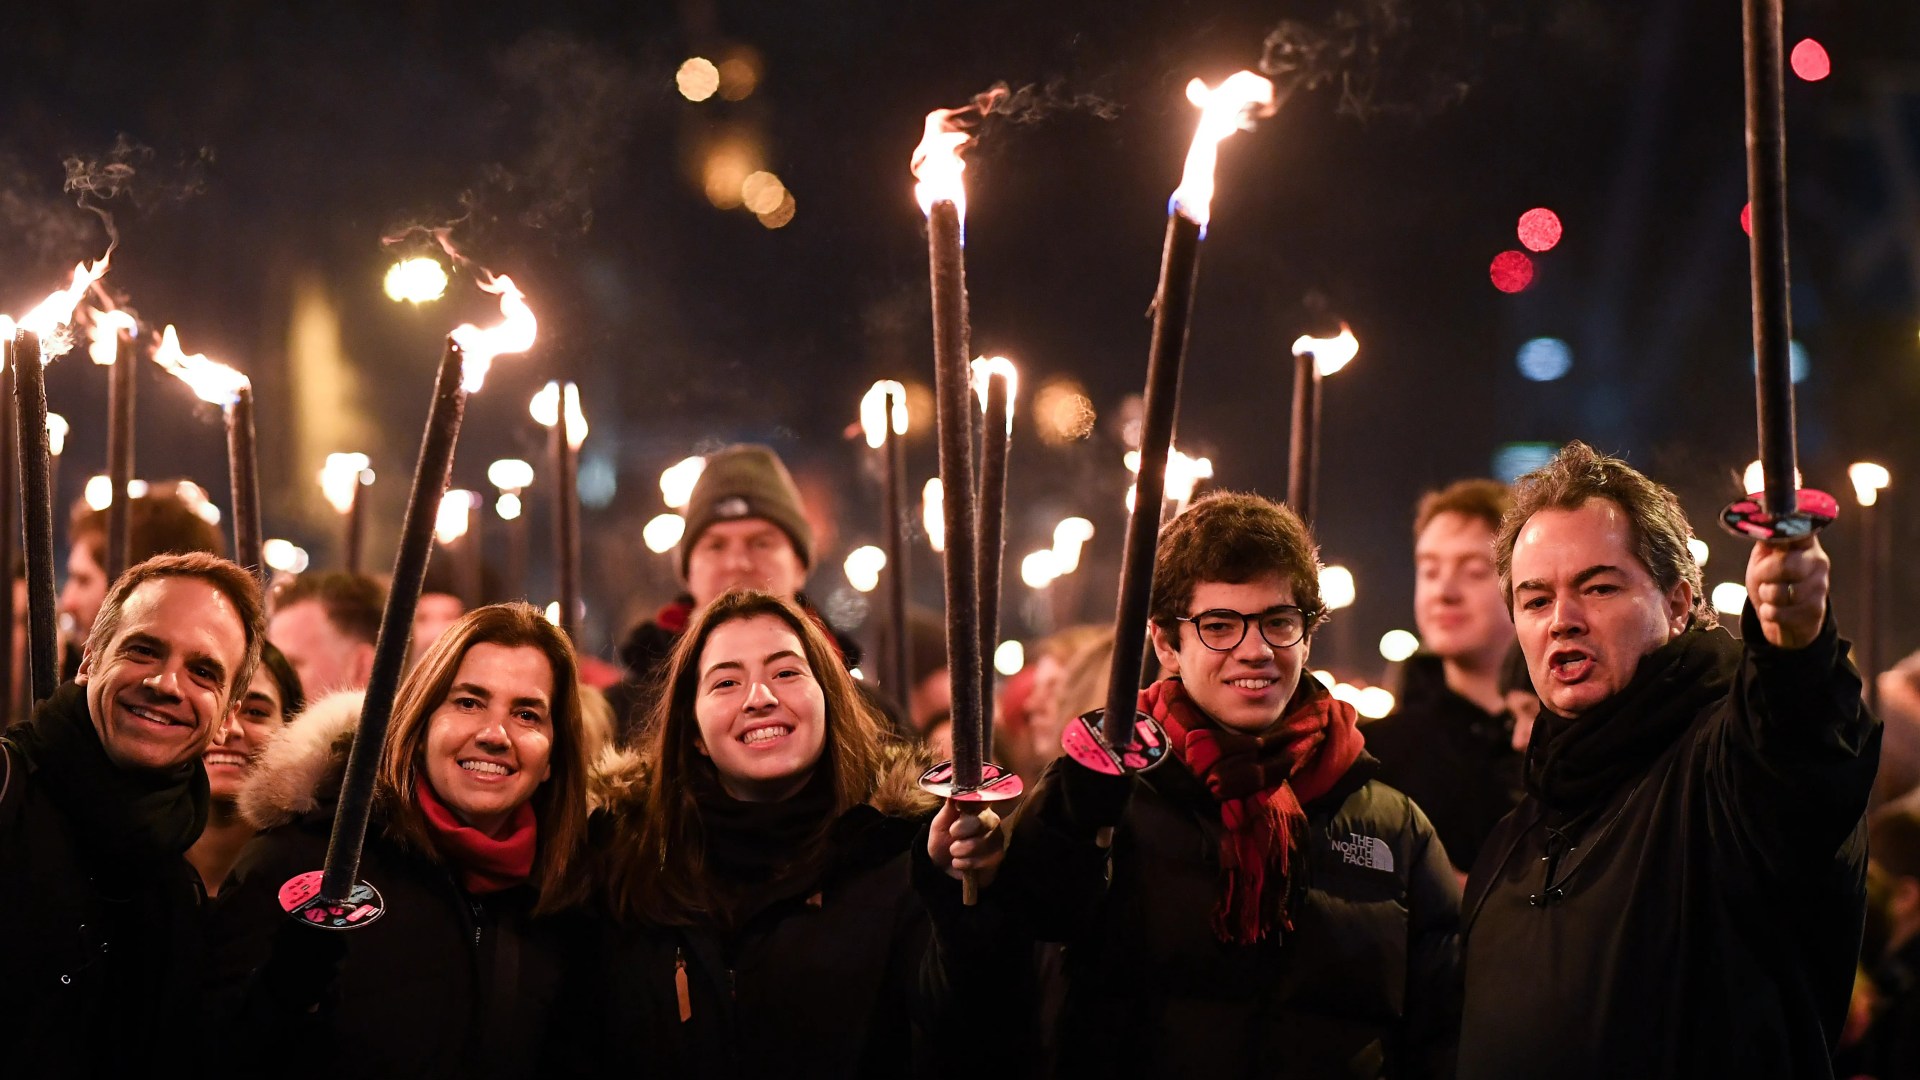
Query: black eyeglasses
{"type": "Point", "coordinates": [1223, 631]}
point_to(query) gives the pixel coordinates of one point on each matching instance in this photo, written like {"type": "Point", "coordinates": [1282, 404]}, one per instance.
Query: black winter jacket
{"type": "Point", "coordinates": [838, 977]}
{"type": "Point", "coordinates": [1704, 916]}
{"type": "Point", "coordinates": [444, 984]}
{"type": "Point", "coordinates": [99, 917]}
{"type": "Point", "coordinates": [1454, 760]}
{"type": "Point", "coordinates": [1365, 985]}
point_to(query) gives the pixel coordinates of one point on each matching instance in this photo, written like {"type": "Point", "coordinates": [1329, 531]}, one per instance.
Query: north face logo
{"type": "Point", "coordinates": [1368, 851]}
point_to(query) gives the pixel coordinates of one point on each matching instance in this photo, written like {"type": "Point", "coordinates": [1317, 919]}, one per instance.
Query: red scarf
{"type": "Point", "coordinates": [1260, 782]}
{"type": "Point", "coordinates": [485, 865]}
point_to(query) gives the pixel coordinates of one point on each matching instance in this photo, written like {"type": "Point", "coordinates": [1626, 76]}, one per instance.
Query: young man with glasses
{"type": "Point", "coordinates": [1264, 907]}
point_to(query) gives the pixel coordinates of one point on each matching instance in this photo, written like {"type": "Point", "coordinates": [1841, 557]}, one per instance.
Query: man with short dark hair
{"type": "Point", "coordinates": [327, 624]}
{"type": "Point", "coordinates": [1450, 744]}
{"type": "Point", "coordinates": [1681, 892]}
{"type": "Point", "coordinates": [1266, 907]}
{"type": "Point", "coordinates": [159, 523]}
{"type": "Point", "coordinates": [101, 794]}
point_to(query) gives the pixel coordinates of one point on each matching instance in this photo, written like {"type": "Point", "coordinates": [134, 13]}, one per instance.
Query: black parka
{"type": "Point", "coordinates": [1705, 916]}
{"type": "Point", "coordinates": [99, 937]}
{"type": "Point", "coordinates": [1451, 757]}
{"type": "Point", "coordinates": [446, 983]}
{"type": "Point", "coordinates": [1365, 985]}
{"type": "Point", "coordinates": [838, 976]}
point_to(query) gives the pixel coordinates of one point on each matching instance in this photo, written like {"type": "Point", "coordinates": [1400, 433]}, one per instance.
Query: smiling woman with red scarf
{"type": "Point", "coordinates": [480, 816]}
{"type": "Point", "coordinates": [1265, 908]}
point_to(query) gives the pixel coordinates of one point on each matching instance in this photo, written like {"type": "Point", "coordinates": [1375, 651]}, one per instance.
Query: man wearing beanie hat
{"type": "Point", "coordinates": [745, 529]}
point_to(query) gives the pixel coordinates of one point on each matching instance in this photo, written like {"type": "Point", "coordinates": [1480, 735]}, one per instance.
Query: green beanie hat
{"type": "Point", "coordinates": [746, 482]}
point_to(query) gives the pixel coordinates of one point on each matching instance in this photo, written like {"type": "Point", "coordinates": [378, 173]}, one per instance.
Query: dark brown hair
{"type": "Point", "coordinates": [157, 524]}
{"type": "Point", "coordinates": [240, 588]}
{"type": "Point", "coordinates": [662, 878]}
{"type": "Point", "coordinates": [1233, 538]}
{"type": "Point", "coordinates": [1480, 499]}
{"type": "Point", "coordinates": [560, 804]}
{"type": "Point", "coordinates": [353, 602]}
{"type": "Point", "coordinates": [1658, 527]}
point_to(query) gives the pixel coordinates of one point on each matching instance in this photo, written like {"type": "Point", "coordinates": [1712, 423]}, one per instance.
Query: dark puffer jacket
{"type": "Point", "coordinates": [1366, 984]}
{"type": "Point", "coordinates": [98, 920]}
{"type": "Point", "coordinates": [837, 977]}
{"type": "Point", "coordinates": [445, 984]}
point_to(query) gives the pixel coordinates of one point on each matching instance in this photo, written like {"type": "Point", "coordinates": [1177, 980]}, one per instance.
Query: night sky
{"type": "Point", "coordinates": [272, 151]}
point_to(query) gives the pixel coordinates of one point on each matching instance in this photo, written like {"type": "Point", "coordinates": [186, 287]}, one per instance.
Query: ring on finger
{"type": "Point", "coordinates": [1789, 592]}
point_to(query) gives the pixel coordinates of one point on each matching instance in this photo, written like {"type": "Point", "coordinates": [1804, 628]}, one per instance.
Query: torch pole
{"type": "Point", "coordinates": [1867, 647]}
{"type": "Point", "coordinates": [994, 443]}
{"type": "Point", "coordinates": [474, 566]}
{"type": "Point", "coordinates": [430, 478]}
{"type": "Point", "coordinates": [36, 496]}
{"type": "Point", "coordinates": [954, 393]}
{"type": "Point", "coordinates": [9, 536]}
{"type": "Point", "coordinates": [1303, 452]}
{"type": "Point", "coordinates": [1172, 306]}
{"type": "Point", "coordinates": [1767, 250]}
{"type": "Point", "coordinates": [354, 522]}
{"type": "Point", "coordinates": [566, 519]}
{"type": "Point", "coordinates": [243, 472]}
{"type": "Point", "coordinates": [120, 392]}
{"type": "Point", "coordinates": [893, 498]}
{"type": "Point", "coordinates": [517, 555]}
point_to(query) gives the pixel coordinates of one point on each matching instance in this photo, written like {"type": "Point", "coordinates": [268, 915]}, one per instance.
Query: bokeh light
{"type": "Point", "coordinates": [725, 168]}
{"type": "Point", "coordinates": [285, 556]}
{"type": "Point", "coordinates": [697, 79]}
{"type": "Point", "coordinates": [863, 566]}
{"type": "Point", "coordinates": [416, 280]}
{"type": "Point", "coordinates": [1810, 61]}
{"type": "Point", "coordinates": [57, 429]}
{"type": "Point", "coordinates": [1511, 271]}
{"type": "Point", "coordinates": [1337, 588]}
{"type": "Point", "coordinates": [99, 494]}
{"type": "Point", "coordinates": [1868, 478]}
{"type": "Point", "coordinates": [1009, 658]}
{"type": "Point", "coordinates": [780, 215]}
{"type": "Point", "coordinates": [1729, 598]}
{"type": "Point", "coordinates": [933, 514]}
{"type": "Point", "coordinates": [1373, 702]}
{"type": "Point", "coordinates": [510, 474]}
{"type": "Point", "coordinates": [1039, 568]}
{"type": "Point", "coordinates": [1062, 412]}
{"type": "Point", "coordinates": [664, 531]}
{"type": "Point", "coordinates": [1799, 361]}
{"type": "Point", "coordinates": [739, 76]}
{"type": "Point", "coordinates": [508, 506]}
{"type": "Point", "coordinates": [1517, 459]}
{"type": "Point", "coordinates": [1699, 550]}
{"type": "Point", "coordinates": [677, 480]}
{"type": "Point", "coordinates": [1544, 359]}
{"type": "Point", "coordinates": [1397, 645]}
{"type": "Point", "coordinates": [1539, 229]}
{"type": "Point", "coordinates": [761, 192]}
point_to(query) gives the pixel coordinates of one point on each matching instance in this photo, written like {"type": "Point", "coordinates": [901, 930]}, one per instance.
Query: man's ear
{"type": "Point", "coordinates": [1680, 605]}
{"type": "Point", "coordinates": [1167, 647]}
{"type": "Point", "coordinates": [86, 665]}
{"type": "Point", "coordinates": [362, 663]}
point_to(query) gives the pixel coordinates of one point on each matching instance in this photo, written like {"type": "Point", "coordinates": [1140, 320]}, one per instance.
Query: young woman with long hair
{"type": "Point", "coordinates": [774, 871]}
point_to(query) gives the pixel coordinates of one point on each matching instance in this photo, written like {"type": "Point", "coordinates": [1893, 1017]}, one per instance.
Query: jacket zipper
{"type": "Point", "coordinates": [680, 984]}
{"type": "Point", "coordinates": [478, 913]}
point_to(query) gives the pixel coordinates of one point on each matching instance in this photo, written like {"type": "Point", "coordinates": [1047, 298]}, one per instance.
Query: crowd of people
{"type": "Point", "coordinates": [1602, 836]}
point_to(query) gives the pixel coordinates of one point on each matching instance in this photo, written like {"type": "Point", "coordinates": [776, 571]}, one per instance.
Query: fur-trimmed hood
{"type": "Point", "coordinates": [299, 771]}
{"type": "Point", "coordinates": [620, 780]}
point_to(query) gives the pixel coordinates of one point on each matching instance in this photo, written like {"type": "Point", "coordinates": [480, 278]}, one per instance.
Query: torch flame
{"type": "Point", "coordinates": [984, 369]}
{"type": "Point", "coordinates": [514, 334]}
{"type": "Point", "coordinates": [210, 379]}
{"type": "Point", "coordinates": [576, 418]}
{"type": "Point", "coordinates": [56, 311]}
{"type": "Point", "coordinates": [1232, 106]}
{"type": "Point", "coordinates": [874, 410]}
{"type": "Point", "coordinates": [103, 333]}
{"type": "Point", "coordinates": [341, 477]}
{"type": "Point", "coordinates": [1329, 354]}
{"type": "Point", "coordinates": [937, 163]}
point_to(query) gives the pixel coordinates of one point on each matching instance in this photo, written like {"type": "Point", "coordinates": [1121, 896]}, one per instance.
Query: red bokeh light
{"type": "Point", "coordinates": [1746, 219]}
{"type": "Point", "coordinates": [1539, 229]}
{"type": "Point", "coordinates": [1511, 271]}
{"type": "Point", "coordinates": [1810, 61]}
